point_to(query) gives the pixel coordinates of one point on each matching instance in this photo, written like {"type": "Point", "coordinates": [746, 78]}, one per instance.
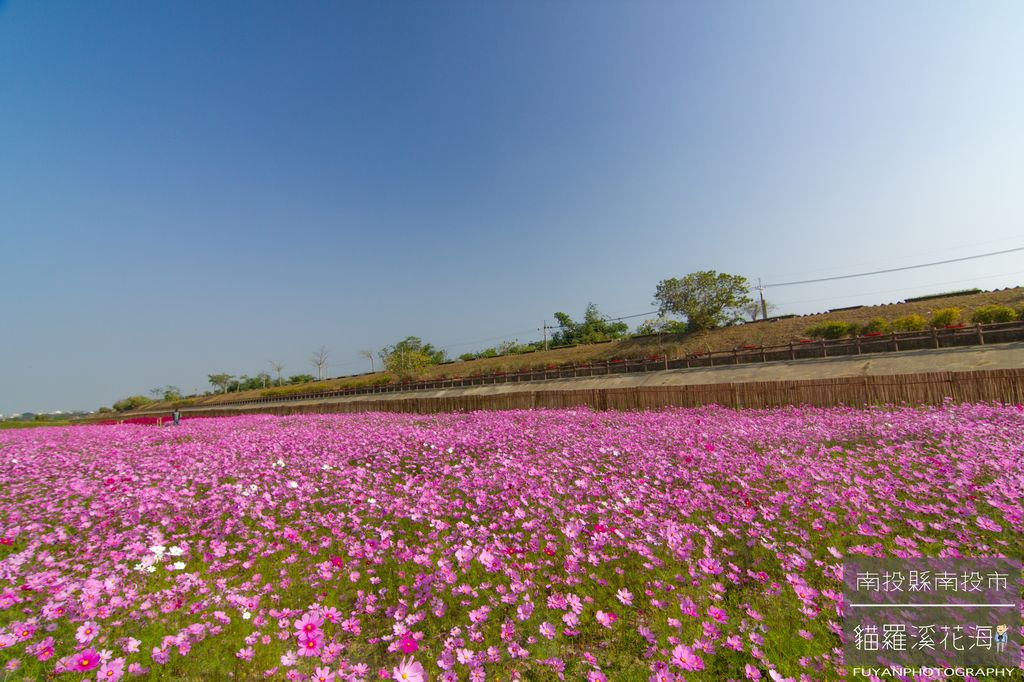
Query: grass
{"type": "Point", "coordinates": [11, 424]}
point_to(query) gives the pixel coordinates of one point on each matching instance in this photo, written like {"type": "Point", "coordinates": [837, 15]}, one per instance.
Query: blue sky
{"type": "Point", "coordinates": [195, 187]}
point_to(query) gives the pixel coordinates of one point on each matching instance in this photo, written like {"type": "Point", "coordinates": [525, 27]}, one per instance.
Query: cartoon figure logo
{"type": "Point", "coordinates": [1001, 637]}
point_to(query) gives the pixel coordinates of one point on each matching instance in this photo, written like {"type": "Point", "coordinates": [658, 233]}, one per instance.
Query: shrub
{"type": "Point", "coordinates": [131, 403]}
{"type": "Point", "coordinates": [833, 329]}
{"type": "Point", "coordinates": [988, 314]}
{"type": "Point", "coordinates": [878, 324]}
{"type": "Point", "coordinates": [909, 323]}
{"type": "Point", "coordinates": [945, 317]}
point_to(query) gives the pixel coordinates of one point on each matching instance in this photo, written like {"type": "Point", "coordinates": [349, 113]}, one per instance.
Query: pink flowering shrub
{"type": "Point", "coordinates": [701, 544]}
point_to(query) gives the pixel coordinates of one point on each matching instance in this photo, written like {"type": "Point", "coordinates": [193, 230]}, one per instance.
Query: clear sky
{"type": "Point", "coordinates": [194, 187]}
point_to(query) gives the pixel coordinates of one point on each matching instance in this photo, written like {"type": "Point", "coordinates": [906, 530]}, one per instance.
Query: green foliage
{"type": "Point", "coordinates": [220, 381]}
{"type": "Point", "coordinates": [661, 325]}
{"type": "Point", "coordinates": [877, 324]}
{"type": "Point", "coordinates": [104, 410]}
{"type": "Point", "coordinates": [248, 383]}
{"type": "Point", "coordinates": [594, 328]}
{"type": "Point", "coordinates": [301, 378]}
{"type": "Point", "coordinates": [707, 299]}
{"type": "Point", "coordinates": [506, 348]}
{"type": "Point", "coordinates": [171, 393]}
{"type": "Point", "coordinates": [300, 389]}
{"type": "Point", "coordinates": [947, 294]}
{"type": "Point", "coordinates": [832, 329]}
{"type": "Point", "coordinates": [989, 314]}
{"type": "Point", "coordinates": [407, 357]}
{"type": "Point", "coordinates": [909, 323]}
{"type": "Point", "coordinates": [131, 403]}
{"type": "Point", "coordinates": [944, 317]}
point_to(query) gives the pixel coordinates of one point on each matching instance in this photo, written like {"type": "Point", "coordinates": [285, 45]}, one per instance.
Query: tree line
{"type": "Point", "coordinates": [696, 302]}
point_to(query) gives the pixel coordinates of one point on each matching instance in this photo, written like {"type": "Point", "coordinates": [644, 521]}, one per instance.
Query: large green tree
{"type": "Point", "coordinates": [707, 299]}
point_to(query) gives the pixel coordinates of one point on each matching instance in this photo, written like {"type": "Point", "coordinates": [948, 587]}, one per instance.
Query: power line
{"type": "Point", "coordinates": [888, 291]}
{"type": "Point", "coordinates": [880, 261]}
{"type": "Point", "coordinates": [906, 267]}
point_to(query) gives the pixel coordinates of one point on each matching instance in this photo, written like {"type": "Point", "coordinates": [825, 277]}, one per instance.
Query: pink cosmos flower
{"type": "Point", "coordinates": [87, 632]}
{"type": "Point", "coordinates": [606, 619]}
{"type": "Point", "coordinates": [751, 672]}
{"type": "Point", "coordinates": [547, 629]}
{"type": "Point", "coordinates": [310, 645]}
{"type": "Point", "coordinates": [684, 657]}
{"type": "Point", "coordinates": [84, 661]}
{"type": "Point", "coordinates": [624, 596]}
{"type": "Point", "coordinates": [718, 614]}
{"type": "Point", "coordinates": [323, 674]}
{"type": "Point", "coordinates": [409, 670]}
{"type": "Point", "coordinates": [309, 623]}
{"type": "Point", "coordinates": [408, 645]}
{"type": "Point", "coordinates": [111, 670]}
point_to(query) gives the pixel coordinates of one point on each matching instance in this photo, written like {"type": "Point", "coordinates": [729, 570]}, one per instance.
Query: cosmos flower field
{"type": "Point", "coordinates": [696, 544]}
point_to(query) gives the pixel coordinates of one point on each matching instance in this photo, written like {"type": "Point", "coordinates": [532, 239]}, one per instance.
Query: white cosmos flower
{"type": "Point", "coordinates": [293, 484]}
{"type": "Point", "coordinates": [175, 551]}
{"type": "Point", "coordinates": [158, 550]}
{"type": "Point", "coordinates": [150, 569]}
{"type": "Point", "coordinates": [280, 462]}
{"type": "Point", "coordinates": [178, 565]}
{"type": "Point", "coordinates": [246, 616]}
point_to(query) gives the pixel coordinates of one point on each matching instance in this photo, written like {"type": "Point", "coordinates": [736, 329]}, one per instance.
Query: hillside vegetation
{"type": "Point", "coordinates": [769, 332]}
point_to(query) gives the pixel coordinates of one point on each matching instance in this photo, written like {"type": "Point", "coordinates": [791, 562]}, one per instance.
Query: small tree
{"type": "Point", "coordinates": [277, 367]}
{"type": "Point", "coordinates": [368, 354]}
{"type": "Point", "coordinates": [408, 356]}
{"type": "Point", "coordinates": [753, 310]}
{"type": "Point", "coordinates": [707, 299]}
{"type": "Point", "coordinates": [319, 360]}
{"type": "Point", "coordinates": [171, 393]}
{"type": "Point", "coordinates": [221, 381]}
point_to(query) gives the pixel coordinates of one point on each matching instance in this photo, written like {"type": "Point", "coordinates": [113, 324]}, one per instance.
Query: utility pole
{"type": "Point", "coordinates": [545, 329]}
{"type": "Point", "coordinates": [764, 306]}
